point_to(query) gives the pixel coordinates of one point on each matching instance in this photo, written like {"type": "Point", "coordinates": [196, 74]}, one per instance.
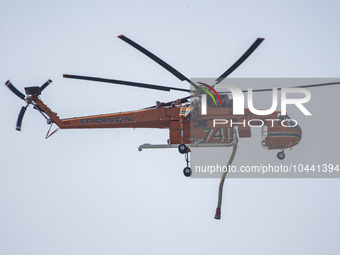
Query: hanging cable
{"type": "Point", "coordinates": [220, 190]}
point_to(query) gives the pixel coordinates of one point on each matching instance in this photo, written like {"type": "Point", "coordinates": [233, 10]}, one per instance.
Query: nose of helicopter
{"type": "Point", "coordinates": [299, 131]}
{"type": "Point", "coordinates": [294, 129]}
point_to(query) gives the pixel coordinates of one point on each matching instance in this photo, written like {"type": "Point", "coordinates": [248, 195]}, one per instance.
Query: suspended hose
{"type": "Point", "coordinates": [220, 190]}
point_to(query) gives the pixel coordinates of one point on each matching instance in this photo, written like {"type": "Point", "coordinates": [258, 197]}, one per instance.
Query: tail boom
{"type": "Point", "coordinates": [147, 118]}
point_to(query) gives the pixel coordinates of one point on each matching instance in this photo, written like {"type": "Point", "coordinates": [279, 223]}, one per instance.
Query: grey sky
{"type": "Point", "coordinates": [92, 192]}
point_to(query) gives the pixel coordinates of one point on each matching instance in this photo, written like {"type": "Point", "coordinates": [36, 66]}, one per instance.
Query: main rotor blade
{"type": "Point", "coordinates": [302, 86]}
{"type": "Point", "coordinates": [318, 85]}
{"type": "Point", "coordinates": [186, 99]}
{"type": "Point", "coordinates": [45, 85]}
{"type": "Point", "coordinates": [298, 86]}
{"type": "Point", "coordinates": [183, 100]}
{"type": "Point", "coordinates": [127, 83]}
{"type": "Point", "coordinates": [15, 90]}
{"type": "Point", "coordinates": [20, 117]}
{"type": "Point", "coordinates": [240, 60]}
{"type": "Point", "coordinates": [155, 58]}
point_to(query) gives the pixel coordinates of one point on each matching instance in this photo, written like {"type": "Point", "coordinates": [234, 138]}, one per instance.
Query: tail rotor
{"type": "Point", "coordinates": [30, 91]}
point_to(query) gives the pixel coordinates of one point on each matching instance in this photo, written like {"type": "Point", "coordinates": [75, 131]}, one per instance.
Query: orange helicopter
{"type": "Point", "coordinates": [183, 117]}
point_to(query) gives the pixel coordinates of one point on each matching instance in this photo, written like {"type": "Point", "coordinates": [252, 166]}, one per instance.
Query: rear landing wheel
{"type": "Point", "coordinates": [187, 171]}
{"type": "Point", "coordinates": [281, 155]}
{"type": "Point", "coordinates": [182, 148]}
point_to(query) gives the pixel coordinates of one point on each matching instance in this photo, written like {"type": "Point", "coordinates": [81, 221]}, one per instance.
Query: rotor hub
{"type": "Point", "coordinates": [33, 91]}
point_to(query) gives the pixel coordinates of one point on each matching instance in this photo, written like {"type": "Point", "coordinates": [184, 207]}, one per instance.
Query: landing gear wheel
{"type": "Point", "coordinates": [281, 155]}
{"type": "Point", "coordinates": [187, 171]}
{"type": "Point", "coordinates": [182, 148]}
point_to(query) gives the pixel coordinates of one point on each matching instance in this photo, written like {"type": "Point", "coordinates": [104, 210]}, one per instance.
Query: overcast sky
{"type": "Point", "coordinates": [92, 191]}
